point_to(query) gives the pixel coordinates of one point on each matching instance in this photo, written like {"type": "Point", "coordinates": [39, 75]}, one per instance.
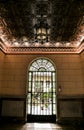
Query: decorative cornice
{"type": "Point", "coordinates": [41, 50]}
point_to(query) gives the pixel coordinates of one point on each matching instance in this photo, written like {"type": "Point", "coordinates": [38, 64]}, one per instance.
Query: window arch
{"type": "Point", "coordinates": [41, 64]}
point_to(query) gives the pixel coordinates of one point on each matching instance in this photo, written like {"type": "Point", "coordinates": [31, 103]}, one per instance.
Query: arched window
{"type": "Point", "coordinates": [41, 96]}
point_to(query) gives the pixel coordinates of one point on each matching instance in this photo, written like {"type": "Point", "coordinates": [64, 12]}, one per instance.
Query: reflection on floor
{"type": "Point", "coordinates": [38, 126]}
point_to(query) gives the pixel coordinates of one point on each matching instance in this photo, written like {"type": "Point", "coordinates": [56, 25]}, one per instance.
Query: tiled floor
{"type": "Point", "coordinates": [38, 126]}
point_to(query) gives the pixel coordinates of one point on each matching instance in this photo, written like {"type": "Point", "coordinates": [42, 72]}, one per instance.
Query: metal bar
{"type": "Point", "coordinates": [52, 90]}
{"type": "Point", "coordinates": [40, 91]}
{"type": "Point", "coordinates": [31, 92]}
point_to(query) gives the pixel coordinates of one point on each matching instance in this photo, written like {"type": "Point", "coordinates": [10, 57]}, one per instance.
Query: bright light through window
{"type": "Point", "coordinates": [41, 97]}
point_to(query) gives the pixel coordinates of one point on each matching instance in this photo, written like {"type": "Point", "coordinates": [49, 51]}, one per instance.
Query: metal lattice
{"type": "Point", "coordinates": [41, 98]}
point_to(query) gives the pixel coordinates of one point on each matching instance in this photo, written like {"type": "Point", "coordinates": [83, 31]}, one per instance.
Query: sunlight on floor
{"type": "Point", "coordinates": [46, 125]}
{"type": "Point", "coordinates": [40, 126]}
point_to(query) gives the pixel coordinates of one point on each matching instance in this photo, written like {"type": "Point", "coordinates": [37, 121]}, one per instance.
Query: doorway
{"type": "Point", "coordinates": [41, 92]}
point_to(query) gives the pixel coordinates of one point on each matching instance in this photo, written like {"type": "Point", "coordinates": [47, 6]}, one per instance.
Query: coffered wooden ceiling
{"type": "Point", "coordinates": [66, 21]}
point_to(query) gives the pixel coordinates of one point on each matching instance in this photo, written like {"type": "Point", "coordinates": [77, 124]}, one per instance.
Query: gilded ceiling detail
{"type": "Point", "coordinates": [65, 19]}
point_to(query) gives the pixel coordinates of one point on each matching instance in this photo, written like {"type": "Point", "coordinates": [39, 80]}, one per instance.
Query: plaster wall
{"type": "Point", "coordinates": [82, 63]}
{"type": "Point", "coordinates": [69, 72]}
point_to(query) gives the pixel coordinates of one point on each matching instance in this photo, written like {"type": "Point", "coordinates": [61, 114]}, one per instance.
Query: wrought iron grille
{"type": "Point", "coordinates": [41, 97]}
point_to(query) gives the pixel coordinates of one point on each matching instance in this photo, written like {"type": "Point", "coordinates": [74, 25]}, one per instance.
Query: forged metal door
{"type": "Point", "coordinates": [41, 97]}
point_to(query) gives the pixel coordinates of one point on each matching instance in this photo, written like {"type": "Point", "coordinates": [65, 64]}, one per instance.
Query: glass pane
{"type": "Point", "coordinates": [29, 87]}
{"type": "Point", "coordinates": [31, 68]}
{"type": "Point", "coordinates": [29, 108]}
{"type": "Point", "coordinates": [54, 98]}
{"type": "Point", "coordinates": [29, 98]}
{"type": "Point", "coordinates": [29, 76]}
{"type": "Point", "coordinates": [54, 108]}
{"type": "Point", "coordinates": [48, 65]}
{"type": "Point", "coordinates": [39, 62]}
{"type": "Point", "coordinates": [53, 76]}
{"type": "Point", "coordinates": [52, 68]}
{"type": "Point", "coordinates": [54, 85]}
{"type": "Point", "coordinates": [50, 109]}
{"type": "Point", "coordinates": [35, 64]}
{"type": "Point", "coordinates": [45, 62]}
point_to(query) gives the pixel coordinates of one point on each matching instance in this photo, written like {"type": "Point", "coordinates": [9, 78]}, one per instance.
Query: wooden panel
{"type": "Point", "coordinates": [12, 108]}
{"type": "Point", "coordinates": [70, 108]}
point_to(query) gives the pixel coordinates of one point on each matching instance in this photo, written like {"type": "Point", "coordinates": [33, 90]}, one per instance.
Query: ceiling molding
{"type": "Point", "coordinates": [42, 50]}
